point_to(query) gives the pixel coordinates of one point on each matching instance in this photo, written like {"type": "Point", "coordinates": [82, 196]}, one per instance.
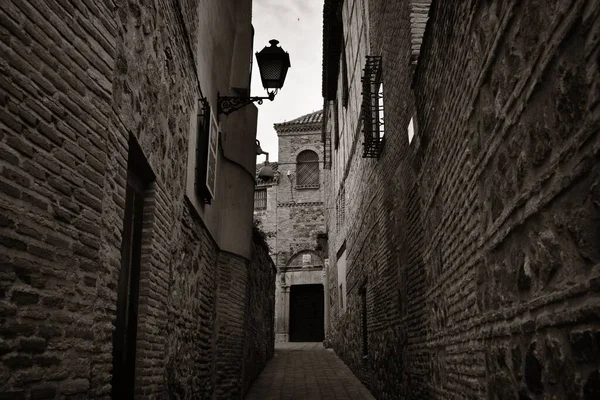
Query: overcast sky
{"type": "Point", "coordinates": [297, 24]}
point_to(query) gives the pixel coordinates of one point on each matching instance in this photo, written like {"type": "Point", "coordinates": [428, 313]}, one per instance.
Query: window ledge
{"type": "Point", "coordinates": [305, 187]}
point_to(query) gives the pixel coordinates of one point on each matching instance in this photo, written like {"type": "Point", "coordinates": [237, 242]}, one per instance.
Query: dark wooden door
{"type": "Point", "coordinates": [139, 176]}
{"type": "Point", "coordinates": [307, 313]}
{"type": "Point", "coordinates": [125, 334]}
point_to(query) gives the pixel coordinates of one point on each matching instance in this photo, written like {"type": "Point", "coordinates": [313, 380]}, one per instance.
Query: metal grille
{"type": "Point", "coordinates": [307, 170]}
{"type": "Point", "coordinates": [336, 124]}
{"type": "Point", "coordinates": [341, 208]}
{"type": "Point", "coordinates": [260, 199]}
{"type": "Point", "coordinates": [272, 71]}
{"type": "Point", "coordinates": [327, 155]}
{"type": "Point", "coordinates": [372, 107]}
{"type": "Point", "coordinates": [327, 112]}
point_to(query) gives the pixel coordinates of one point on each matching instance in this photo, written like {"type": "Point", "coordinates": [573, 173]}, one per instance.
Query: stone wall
{"type": "Point", "coordinates": [80, 81]}
{"type": "Point", "coordinates": [299, 211]}
{"type": "Point", "coordinates": [294, 217]}
{"type": "Point", "coordinates": [297, 228]}
{"type": "Point", "coordinates": [477, 243]}
{"type": "Point", "coordinates": [189, 329]}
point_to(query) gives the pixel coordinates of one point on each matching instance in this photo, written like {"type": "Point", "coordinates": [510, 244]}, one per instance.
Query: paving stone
{"type": "Point", "coordinates": [306, 371]}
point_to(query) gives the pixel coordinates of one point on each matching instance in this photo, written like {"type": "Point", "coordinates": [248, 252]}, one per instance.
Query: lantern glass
{"type": "Point", "coordinates": [273, 64]}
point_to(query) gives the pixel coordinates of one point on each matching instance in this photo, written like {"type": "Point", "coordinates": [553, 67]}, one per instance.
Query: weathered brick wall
{"type": "Point", "coordinates": [60, 243]}
{"type": "Point", "coordinates": [77, 79]}
{"type": "Point", "coordinates": [478, 242]}
{"type": "Point", "coordinates": [373, 191]}
{"type": "Point", "coordinates": [230, 325]}
{"type": "Point", "coordinates": [245, 336]}
{"type": "Point", "coordinates": [511, 244]}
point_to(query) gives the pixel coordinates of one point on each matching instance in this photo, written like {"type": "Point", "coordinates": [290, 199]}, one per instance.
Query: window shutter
{"type": "Point", "coordinates": [206, 153]}
{"type": "Point", "coordinates": [211, 164]}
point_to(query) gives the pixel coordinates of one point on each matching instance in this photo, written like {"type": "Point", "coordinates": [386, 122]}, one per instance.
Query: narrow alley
{"type": "Point", "coordinates": [300, 199]}
{"type": "Point", "coordinates": [306, 371]}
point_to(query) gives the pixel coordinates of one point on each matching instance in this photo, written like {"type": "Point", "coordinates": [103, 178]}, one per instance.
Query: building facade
{"type": "Point", "coordinates": [461, 196]}
{"type": "Point", "coordinates": [129, 267]}
{"type": "Point", "coordinates": [290, 211]}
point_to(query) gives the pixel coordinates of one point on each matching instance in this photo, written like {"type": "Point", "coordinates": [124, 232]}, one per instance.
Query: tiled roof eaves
{"type": "Point", "coordinates": [312, 118]}
{"type": "Point", "coordinates": [300, 128]}
{"type": "Point", "coordinates": [332, 42]}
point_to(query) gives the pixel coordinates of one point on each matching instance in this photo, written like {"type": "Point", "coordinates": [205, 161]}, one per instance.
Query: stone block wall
{"type": "Point", "coordinates": [79, 82]}
{"type": "Point", "coordinates": [477, 243]}
{"type": "Point", "coordinates": [297, 229]}
{"type": "Point", "coordinates": [300, 215]}
{"type": "Point", "coordinates": [290, 145]}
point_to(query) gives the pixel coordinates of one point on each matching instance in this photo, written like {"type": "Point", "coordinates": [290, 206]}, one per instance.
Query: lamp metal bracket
{"type": "Point", "coordinates": [228, 104]}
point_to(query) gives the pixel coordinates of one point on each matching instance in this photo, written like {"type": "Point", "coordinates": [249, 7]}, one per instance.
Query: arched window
{"type": "Point", "coordinates": [307, 169]}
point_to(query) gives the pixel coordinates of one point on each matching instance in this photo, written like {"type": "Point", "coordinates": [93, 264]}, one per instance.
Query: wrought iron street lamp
{"type": "Point", "coordinates": [273, 64]}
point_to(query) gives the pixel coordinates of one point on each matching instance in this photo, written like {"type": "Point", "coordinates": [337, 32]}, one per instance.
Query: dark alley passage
{"type": "Point", "coordinates": [324, 199]}
{"type": "Point", "coordinates": [306, 371]}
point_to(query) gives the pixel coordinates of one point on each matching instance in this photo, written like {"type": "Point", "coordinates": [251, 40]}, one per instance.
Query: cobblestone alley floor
{"type": "Point", "coordinates": [306, 371]}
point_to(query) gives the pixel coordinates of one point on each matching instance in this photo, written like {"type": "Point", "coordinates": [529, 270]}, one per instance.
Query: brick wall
{"type": "Point", "coordinates": [62, 177]}
{"type": "Point", "coordinates": [477, 242]}
{"type": "Point", "coordinates": [245, 325]}
{"type": "Point", "coordinates": [79, 79]}
{"type": "Point", "coordinates": [260, 313]}
{"type": "Point", "coordinates": [230, 326]}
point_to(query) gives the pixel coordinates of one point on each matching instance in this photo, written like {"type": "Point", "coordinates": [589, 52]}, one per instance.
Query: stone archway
{"type": "Point", "coordinates": [299, 299]}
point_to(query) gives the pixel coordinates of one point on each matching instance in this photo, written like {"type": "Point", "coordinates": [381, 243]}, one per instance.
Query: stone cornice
{"type": "Point", "coordinates": [304, 204]}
